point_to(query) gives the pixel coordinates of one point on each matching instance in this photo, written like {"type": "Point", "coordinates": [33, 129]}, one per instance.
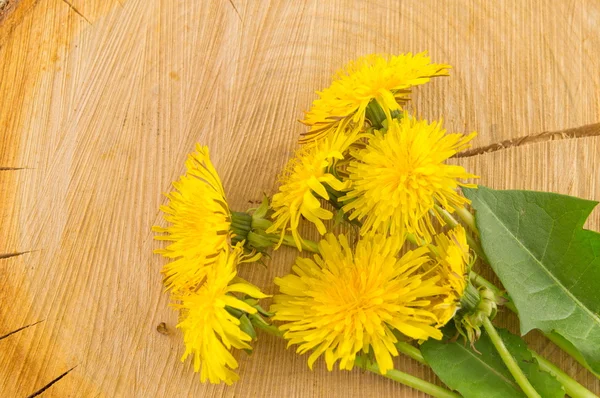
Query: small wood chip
{"type": "Point", "coordinates": [162, 329]}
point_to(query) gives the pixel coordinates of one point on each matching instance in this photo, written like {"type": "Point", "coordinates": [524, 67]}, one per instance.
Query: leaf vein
{"type": "Point", "coordinates": [542, 266]}
{"type": "Point", "coordinates": [500, 375]}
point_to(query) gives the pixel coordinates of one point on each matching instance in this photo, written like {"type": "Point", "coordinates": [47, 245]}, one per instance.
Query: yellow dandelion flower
{"type": "Point", "coordinates": [386, 80]}
{"type": "Point", "coordinates": [209, 330]}
{"type": "Point", "coordinates": [399, 177]}
{"type": "Point", "coordinates": [304, 181]}
{"type": "Point", "coordinates": [341, 303]}
{"type": "Point", "coordinates": [454, 259]}
{"type": "Point", "coordinates": [200, 222]}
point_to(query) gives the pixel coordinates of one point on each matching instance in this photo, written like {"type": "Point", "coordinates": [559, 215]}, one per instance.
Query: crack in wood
{"type": "Point", "coordinates": [72, 7]}
{"type": "Point", "coordinates": [235, 9]}
{"type": "Point", "coordinates": [8, 11]}
{"type": "Point", "coordinates": [590, 130]}
{"type": "Point", "coordinates": [9, 255]}
{"type": "Point", "coordinates": [21, 328]}
{"type": "Point", "coordinates": [47, 386]}
{"type": "Point", "coordinates": [11, 168]}
{"type": "Point", "coordinates": [7, 6]}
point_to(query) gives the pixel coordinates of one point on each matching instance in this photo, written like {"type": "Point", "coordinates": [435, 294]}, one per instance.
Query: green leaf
{"type": "Point", "coordinates": [483, 373]}
{"type": "Point", "coordinates": [543, 382]}
{"type": "Point", "coordinates": [549, 264]}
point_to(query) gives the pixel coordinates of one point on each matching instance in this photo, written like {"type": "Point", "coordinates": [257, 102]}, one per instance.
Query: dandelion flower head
{"type": "Point", "coordinates": [453, 262]}
{"type": "Point", "coordinates": [209, 330]}
{"type": "Point", "coordinates": [386, 80]}
{"type": "Point", "coordinates": [199, 219]}
{"type": "Point", "coordinates": [400, 176]}
{"type": "Point", "coordinates": [342, 303]}
{"type": "Point", "coordinates": [306, 179]}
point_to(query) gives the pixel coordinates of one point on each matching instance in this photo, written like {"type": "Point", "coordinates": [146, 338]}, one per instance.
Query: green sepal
{"type": "Point", "coordinates": [338, 218]}
{"type": "Point", "coordinates": [261, 211]}
{"type": "Point", "coordinates": [247, 327]}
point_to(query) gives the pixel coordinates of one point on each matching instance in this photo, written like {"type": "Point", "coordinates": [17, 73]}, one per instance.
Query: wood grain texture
{"type": "Point", "coordinates": [100, 101]}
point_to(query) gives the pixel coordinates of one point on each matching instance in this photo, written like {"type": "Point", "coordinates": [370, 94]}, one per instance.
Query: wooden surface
{"type": "Point", "coordinates": [100, 101]}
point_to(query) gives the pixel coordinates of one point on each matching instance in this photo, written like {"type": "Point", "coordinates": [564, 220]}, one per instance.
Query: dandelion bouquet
{"type": "Point", "coordinates": [400, 279]}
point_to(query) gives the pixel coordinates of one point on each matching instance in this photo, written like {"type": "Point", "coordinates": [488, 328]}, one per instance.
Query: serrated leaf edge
{"type": "Point", "coordinates": [577, 302]}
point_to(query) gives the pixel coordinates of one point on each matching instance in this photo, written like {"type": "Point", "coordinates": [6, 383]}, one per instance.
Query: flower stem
{"type": "Point", "coordinates": [309, 245]}
{"type": "Point", "coordinates": [269, 328]}
{"type": "Point", "coordinates": [412, 238]}
{"type": "Point", "coordinates": [411, 351]}
{"type": "Point", "coordinates": [467, 217]}
{"type": "Point", "coordinates": [556, 338]}
{"type": "Point", "coordinates": [509, 361]}
{"type": "Point", "coordinates": [567, 347]}
{"type": "Point", "coordinates": [408, 380]}
{"type": "Point", "coordinates": [262, 224]}
{"type": "Point", "coordinates": [573, 388]}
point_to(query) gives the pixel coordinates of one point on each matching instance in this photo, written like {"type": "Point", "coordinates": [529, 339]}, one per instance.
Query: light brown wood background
{"type": "Point", "coordinates": [100, 101]}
